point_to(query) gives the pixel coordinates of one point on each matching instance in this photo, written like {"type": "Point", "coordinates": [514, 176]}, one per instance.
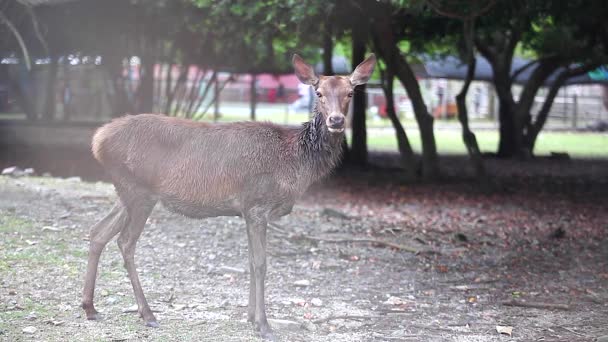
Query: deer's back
{"type": "Point", "coordinates": [190, 165]}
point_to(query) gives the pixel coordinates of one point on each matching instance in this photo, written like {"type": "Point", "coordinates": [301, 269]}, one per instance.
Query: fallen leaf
{"type": "Point", "coordinates": [505, 330]}
{"type": "Point", "coordinates": [302, 283]}
{"type": "Point", "coordinates": [30, 330]}
{"type": "Point", "coordinates": [394, 301]}
{"type": "Point", "coordinates": [442, 268]}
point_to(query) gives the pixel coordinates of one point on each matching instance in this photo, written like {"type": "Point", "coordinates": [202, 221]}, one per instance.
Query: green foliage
{"type": "Point", "coordinates": [261, 36]}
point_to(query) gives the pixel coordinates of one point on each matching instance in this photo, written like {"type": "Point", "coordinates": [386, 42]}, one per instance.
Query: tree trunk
{"type": "Point", "coordinates": [408, 159]}
{"type": "Point", "coordinates": [145, 91]}
{"type": "Point", "coordinates": [500, 58]}
{"type": "Point", "coordinates": [387, 47]}
{"type": "Point", "coordinates": [358, 150]}
{"type": "Point", "coordinates": [51, 89]}
{"type": "Point", "coordinates": [533, 128]}
{"type": "Point", "coordinates": [468, 137]}
{"type": "Point", "coordinates": [23, 98]}
{"type": "Point", "coordinates": [121, 101]}
{"type": "Point", "coordinates": [216, 96]}
{"type": "Point", "coordinates": [328, 46]}
{"type": "Point", "coordinates": [513, 116]}
{"type": "Point", "coordinates": [200, 97]}
{"type": "Point", "coordinates": [253, 95]}
{"type": "Point", "coordinates": [174, 97]}
{"type": "Point", "coordinates": [522, 115]}
{"type": "Point", "coordinates": [507, 146]}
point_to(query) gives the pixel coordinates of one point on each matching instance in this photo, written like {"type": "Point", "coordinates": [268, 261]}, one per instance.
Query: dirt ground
{"type": "Point", "coordinates": [535, 237]}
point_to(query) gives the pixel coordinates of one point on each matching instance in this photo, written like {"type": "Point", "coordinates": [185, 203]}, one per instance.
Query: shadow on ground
{"type": "Point", "coordinates": [535, 237]}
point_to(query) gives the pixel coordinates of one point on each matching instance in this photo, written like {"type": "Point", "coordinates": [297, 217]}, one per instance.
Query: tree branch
{"type": "Point", "coordinates": [536, 305]}
{"type": "Point", "coordinates": [36, 25]}
{"type": "Point", "coordinates": [541, 117]}
{"type": "Point", "coordinates": [13, 29]}
{"type": "Point", "coordinates": [442, 11]}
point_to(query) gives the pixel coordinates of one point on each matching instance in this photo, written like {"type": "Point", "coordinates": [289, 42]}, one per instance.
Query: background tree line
{"type": "Point", "coordinates": [562, 38]}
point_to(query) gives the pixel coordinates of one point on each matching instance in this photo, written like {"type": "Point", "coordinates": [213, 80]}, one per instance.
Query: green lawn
{"type": "Point", "coordinates": [449, 141]}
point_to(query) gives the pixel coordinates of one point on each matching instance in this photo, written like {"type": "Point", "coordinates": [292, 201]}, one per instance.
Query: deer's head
{"type": "Point", "coordinates": [334, 92]}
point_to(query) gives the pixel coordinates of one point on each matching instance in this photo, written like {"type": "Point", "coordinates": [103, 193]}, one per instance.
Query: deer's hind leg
{"type": "Point", "coordinates": [139, 204]}
{"type": "Point", "coordinates": [100, 234]}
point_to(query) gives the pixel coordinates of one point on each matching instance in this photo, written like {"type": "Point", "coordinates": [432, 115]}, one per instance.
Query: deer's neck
{"type": "Point", "coordinates": [319, 149]}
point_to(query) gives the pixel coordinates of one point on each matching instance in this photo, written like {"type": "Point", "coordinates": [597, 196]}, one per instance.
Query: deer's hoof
{"type": "Point", "coordinates": [267, 336]}
{"type": "Point", "coordinates": [266, 333]}
{"type": "Point", "coordinates": [152, 324]}
{"type": "Point", "coordinates": [94, 316]}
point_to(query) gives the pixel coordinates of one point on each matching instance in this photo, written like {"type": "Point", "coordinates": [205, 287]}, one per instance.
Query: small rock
{"type": "Point", "coordinates": [29, 172]}
{"type": "Point", "coordinates": [302, 283]}
{"type": "Point", "coordinates": [504, 330]}
{"type": "Point", "coordinates": [29, 330]}
{"type": "Point", "coordinates": [394, 301]}
{"type": "Point", "coordinates": [111, 300]}
{"type": "Point", "coordinates": [130, 309]}
{"type": "Point", "coordinates": [50, 229]}
{"type": "Point", "coordinates": [12, 171]}
{"type": "Point", "coordinates": [329, 212]}
{"type": "Point", "coordinates": [310, 326]}
{"type": "Point", "coordinates": [54, 323]}
{"type": "Point", "coordinates": [284, 324]}
{"type": "Point", "coordinates": [224, 303]}
{"type": "Point", "coordinates": [228, 269]}
{"type": "Point", "coordinates": [104, 293]}
{"type": "Point", "coordinates": [461, 237]}
{"type": "Point", "coordinates": [31, 316]}
{"type": "Point", "coordinates": [316, 302]}
{"type": "Point", "coordinates": [12, 292]}
{"type": "Point", "coordinates": [558, 233]}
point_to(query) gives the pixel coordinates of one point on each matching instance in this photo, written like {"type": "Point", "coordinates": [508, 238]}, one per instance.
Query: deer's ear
{"type": "Point", "coordinates": [305, 72]}
{"type": "Point", "coordinates": [363, 71]}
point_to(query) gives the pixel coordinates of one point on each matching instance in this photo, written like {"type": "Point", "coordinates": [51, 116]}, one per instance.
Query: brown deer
{"type": "Point", "coordinates": [250, 169]}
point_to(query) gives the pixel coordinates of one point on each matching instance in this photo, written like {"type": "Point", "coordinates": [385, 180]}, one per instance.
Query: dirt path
{"type": "Point", "coordinates": [492, 249]}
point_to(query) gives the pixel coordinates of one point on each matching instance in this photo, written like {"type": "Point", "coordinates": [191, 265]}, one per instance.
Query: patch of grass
{"type": "Point", "coordinates": [22, 244]}
{"type": "Point", "coordinates": [10, 223]}
{"type": "Point", "coordinates": [577, 144]}
{"type": "Point", "coordinates": [28, 305]}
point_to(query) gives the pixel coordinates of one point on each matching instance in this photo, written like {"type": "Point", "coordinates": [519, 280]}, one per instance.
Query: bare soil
{"type": "Point", "coordinates": [535, 234]}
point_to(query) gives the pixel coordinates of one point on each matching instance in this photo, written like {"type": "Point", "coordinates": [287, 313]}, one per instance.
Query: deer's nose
{"type": "Point", "coordinates": [336, 120]}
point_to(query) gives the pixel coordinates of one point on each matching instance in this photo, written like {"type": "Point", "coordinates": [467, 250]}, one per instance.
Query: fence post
{"type": "Point", "coordinates": [575, 112]}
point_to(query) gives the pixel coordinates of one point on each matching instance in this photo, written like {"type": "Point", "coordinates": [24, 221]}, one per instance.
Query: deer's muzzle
{"type": "Point", "coordinates": [335, 123]}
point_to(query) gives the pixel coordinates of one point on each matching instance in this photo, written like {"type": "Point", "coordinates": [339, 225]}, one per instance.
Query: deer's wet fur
{"type": "Point", "coordinates": [250, 169]}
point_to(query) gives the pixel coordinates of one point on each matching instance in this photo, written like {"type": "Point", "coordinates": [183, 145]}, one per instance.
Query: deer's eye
{"type": "Point", "coordinates": [350, 94]}
{"type": "Point", "coordinates": [319, 94]}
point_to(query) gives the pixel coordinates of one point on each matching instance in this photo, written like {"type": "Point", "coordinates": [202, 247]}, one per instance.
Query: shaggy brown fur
{"type": "Point", "coordinates": [250, 169]}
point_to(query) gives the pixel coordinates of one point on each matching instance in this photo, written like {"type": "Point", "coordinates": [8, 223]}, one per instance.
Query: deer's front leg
{"type": "Point", "coordinates": [251, 306]}
{"type": "Point", "coordinates": [256, 232]}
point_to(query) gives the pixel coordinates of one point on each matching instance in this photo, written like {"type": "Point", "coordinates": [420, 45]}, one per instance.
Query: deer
{"type": "Point", "coordinates": [255, 170]}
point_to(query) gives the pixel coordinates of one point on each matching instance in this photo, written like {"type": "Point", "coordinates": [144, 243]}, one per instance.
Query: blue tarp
{"type": "Point", "coordinates": [451, 67]}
